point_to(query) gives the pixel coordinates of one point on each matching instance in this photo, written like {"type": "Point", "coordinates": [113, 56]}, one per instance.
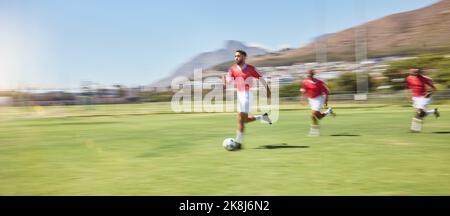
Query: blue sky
{"type": "Point", "coordinates": [53, 43]}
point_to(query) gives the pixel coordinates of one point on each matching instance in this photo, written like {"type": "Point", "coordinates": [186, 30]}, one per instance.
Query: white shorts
{"type": "Point", "coordinates": [244, 99]}
{"type": "Point", "coordinates": [316, 103]}
{"type": "Point", "coordinates": [421, 102]}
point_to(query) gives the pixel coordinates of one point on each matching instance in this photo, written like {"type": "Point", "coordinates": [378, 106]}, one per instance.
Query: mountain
{"type": "Point", "coordinates": [423, 30]}
{"type": "Point", "coordinates": [209, 59]}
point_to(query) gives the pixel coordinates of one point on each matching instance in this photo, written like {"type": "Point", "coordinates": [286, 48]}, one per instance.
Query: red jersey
{"type": "Point", "coordinates": [418, 84]}
{"type": "Point", "coordinates": [314, 88]}
{"type": "Point", "coordinates": [243, 77]}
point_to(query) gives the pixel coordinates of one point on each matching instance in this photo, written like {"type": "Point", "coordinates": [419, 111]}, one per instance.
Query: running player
{"type": "Point", "coordinates": [421, 97]}
{"type": "Point", "coordinates": [317, 92]}
{"type": "Point", "coordinates": [242, 75]}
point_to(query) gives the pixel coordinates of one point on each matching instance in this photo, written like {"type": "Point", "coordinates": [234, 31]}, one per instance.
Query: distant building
{"type": "Point", "coordinates": [5, 101]}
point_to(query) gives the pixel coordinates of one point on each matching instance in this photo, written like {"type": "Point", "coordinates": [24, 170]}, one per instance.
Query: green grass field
{"type": "Point", "coordinates": [146, 150]}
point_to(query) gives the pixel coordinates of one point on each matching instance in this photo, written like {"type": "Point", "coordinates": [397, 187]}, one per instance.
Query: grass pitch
{"type": "Point", "coordinates": [145, 149]}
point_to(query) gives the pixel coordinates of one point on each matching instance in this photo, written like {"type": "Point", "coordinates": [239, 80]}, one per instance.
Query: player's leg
{"type": "Point", "coordinates": [328, 112]}
{"type": "Point", "coordinates": [420, 114]}
{"type": "Point", "coordinates": [315, 117]}
{"type": "Point", "coordinates": [419, 104]}
{"type": "Point", "coordinates": [242, 104]}
{"type": "Point", "coordinates": [243, 118]}
{"type": "Point", "coordinates": [417, 121]}
{"type": "Point", "coordinates": [248, 119]}
{"type": "Point", "coordinates": [245, 99]}
{"type": "Point", "coordinates": [263, 117]}
{"type": "Point", "coordinates": [241, 127]}
{"type": "Point", "coordinates": [314, 103]}
{"type": "Point", "coordinates": [434, 111]}
{"type": "Point", "coordinates": [315, 127]}
{"type": "Point", "coordinates": [317, 104]}
{"type": "Point", "coordinates": [318, 115]}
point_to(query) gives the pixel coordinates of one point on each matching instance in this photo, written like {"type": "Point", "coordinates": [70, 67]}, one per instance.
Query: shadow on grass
{"type": "Point", "coordinates": [280, 146]}
{"type": "Point", "coordinates": [345, 135]}
{"type": "Point", "coordinates": [441, 132]}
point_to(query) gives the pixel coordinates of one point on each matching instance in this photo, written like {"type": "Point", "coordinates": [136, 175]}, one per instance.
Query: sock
{"type": "Point", "coordinates": [327, 112]}
{"type": "Point", "coordinates": [429, 112]}
{"type": "Point", "coordinates": [315, 130]}
{"type": "Point", "coordinates": [416, 125]}
{"type": "Point", "coordinates": [258, 117]}
{"type": "Point", "coordinates": [239, 136]}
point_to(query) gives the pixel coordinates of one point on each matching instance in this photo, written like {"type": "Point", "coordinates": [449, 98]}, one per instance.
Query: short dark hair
{"type": "Point", "coordinates": [419, 69]}
{"type": "Point", "coordinates": [242, 52]}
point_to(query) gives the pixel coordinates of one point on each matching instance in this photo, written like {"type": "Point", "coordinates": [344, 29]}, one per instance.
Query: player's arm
{"type": "Point", "coordinates": [407, 94]}
{"type": "Point", "coordinates": [326, 100]}
{"type": "Point", "coordinates": [258, 75]}
{"type": "Point", "coordinates": [302, 94]}
{"type": "Point", "coordinates": [263, 81]}
{"type": "Point", "coordinates": [226, 78]}
{"type": "Point", "coordinates": [429, 83]}
{"type": "Point", "coordinates": [326, 92]}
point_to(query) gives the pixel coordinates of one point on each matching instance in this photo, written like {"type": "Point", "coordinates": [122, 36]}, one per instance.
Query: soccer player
{"type": "Point", "coordinates": [317, 92]}
{"type": "Point", "coordinates": [421, 97]}
{"type": "Point", "coordinates": [242, 75]}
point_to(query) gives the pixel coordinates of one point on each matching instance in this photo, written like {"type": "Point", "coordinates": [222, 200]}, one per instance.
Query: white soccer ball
{"type": "Point", "coordinates": [229, 144]}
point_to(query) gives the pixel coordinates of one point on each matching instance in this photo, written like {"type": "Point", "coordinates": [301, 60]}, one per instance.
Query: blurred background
{"type": "Point", "coordinates": [98, 52]}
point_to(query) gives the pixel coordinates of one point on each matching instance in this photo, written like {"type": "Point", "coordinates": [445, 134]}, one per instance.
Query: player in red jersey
{"type": "Point", "coordinates": [317, 92]}
{"type": "Point", "coordinates": [242, 75]}
{"type": "Point", "coordinates": [421, 97]}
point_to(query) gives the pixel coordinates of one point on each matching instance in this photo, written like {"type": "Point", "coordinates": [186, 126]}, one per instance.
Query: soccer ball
{"type": "Point", "coordinates": [229, 144]}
